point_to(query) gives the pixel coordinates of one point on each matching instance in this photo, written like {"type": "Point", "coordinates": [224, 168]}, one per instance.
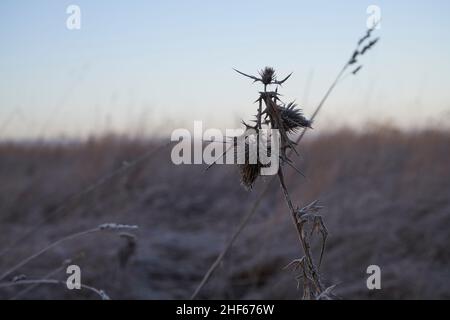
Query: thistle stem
{"type": "Point", "coordinates": [303, 240]}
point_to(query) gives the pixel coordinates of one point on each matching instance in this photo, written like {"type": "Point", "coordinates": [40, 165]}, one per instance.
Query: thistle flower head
{"type": "Point", "coordinates": [267, 75]}
{"type": "Point", "coordinates": [248, 156]}
{"type": "Point", "coordinates": [249, 173]}
{"type": "Point", "coordinates": [292, 118]}
{"type": "Point", "coordinates": [249, 169]}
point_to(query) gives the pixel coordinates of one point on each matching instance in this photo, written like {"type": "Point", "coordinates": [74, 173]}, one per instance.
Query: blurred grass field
{"type": "Point", "coordinates": [386, 194]}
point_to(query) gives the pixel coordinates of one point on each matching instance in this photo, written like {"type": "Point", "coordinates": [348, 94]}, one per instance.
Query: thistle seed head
{"type": "Point", "coordinates": [267, 75]}
{"type": "Point", "coordinates": [249, 173]}
{"type": "Point", "coordinates": [292, 118]}
{"type": "Point", "coordinates": [248, 158]}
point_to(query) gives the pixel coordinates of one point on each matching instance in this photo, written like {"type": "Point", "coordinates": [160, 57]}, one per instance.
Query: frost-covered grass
{"type": "Point", "coordinates": [386, 202]}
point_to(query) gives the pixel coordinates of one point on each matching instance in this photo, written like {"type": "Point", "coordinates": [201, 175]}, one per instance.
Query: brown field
{"type": "Point", "coordinates": [386, 195]}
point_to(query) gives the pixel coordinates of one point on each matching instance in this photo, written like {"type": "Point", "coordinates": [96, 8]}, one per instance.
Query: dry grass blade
{"type": "Point", "coordinates": [230, 242]}
{"type": "Point", "coordinates": [65, 205]}
{"type": "Point", "coordinates": [48, 276]}
{"type": "Point", "coordinates": [102, 294]}
{"type": "Point", "coordinates": [100, 228]}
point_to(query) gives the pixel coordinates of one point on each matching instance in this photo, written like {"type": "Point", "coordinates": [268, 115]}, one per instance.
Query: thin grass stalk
{"type": "Point", "coordinates": [48, 276]}
{"type": "Point", "coordinates": [66, 204]}
{"type": "Point", "coordinates": [100, 228]}
{"type": "Point", "coordinates": [98, 292]}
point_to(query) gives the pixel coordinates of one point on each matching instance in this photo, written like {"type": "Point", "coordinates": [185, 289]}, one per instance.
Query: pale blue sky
{"type": "Point", "coordinates": [163, 64]}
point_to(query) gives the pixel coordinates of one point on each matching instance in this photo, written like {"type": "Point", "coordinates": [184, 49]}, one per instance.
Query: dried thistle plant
{"type": "Point", "coordinates": [288, 119]}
